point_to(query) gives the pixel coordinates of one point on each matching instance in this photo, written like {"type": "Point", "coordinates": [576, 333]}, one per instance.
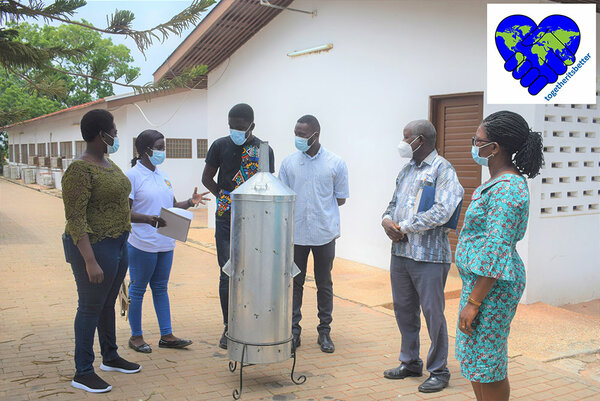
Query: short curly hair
{"type": "Point", "coordinates": [95, 121]}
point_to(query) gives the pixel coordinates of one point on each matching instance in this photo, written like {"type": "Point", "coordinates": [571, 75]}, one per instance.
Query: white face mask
{"type": "Point", "coordinates": [405, 149]}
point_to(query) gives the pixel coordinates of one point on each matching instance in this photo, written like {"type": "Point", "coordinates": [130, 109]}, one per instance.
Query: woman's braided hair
{"type": "Point", "coordinates": [513, 134]}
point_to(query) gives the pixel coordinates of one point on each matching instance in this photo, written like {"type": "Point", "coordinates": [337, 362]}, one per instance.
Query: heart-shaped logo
{"type": "Point", "coordinates": [537, 54]}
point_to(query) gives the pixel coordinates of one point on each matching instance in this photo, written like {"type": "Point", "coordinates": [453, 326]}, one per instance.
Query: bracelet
{"type": "Point", "coordinates": [472, 301]}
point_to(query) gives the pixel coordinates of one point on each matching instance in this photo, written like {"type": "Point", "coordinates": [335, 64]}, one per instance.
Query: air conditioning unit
{"type": "Point", "coordinates": [15, 173]}
{"type": "Point", "coordinates": [43, 161]}
{"type": "Point", "coordinates": [32, 161]}
{"type": "Point", "coordinates": [47, 180]}
{"type": "Point", "coordinates": [56, 162]}
{"type": "Point", "coordinates": [66, 163]}
{"type": "Point", "coordinates": [6, 171]}
{"type": "Point", "coordinates": [29, 175]}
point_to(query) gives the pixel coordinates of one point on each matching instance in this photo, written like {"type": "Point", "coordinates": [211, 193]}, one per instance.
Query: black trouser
{"type": "Point", "coordinates": [323, 256]}
{"type": "Point", "coordinates": [222, 239]}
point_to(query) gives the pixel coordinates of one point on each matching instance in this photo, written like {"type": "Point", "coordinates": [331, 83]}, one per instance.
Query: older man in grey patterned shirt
{"type": "Point", "coordinates": [421, 254]}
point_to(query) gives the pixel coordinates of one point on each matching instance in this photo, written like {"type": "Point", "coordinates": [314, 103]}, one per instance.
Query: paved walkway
{"type": "Point", "coordinates": [38, 302]}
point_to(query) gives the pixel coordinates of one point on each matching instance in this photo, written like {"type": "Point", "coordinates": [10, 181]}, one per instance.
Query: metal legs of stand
{"type": "Point", "coordinates": [233, 365]}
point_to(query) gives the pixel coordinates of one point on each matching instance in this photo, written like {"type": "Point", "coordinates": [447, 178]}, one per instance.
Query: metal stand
{"type": "Point", "coordinates": [233, 365]}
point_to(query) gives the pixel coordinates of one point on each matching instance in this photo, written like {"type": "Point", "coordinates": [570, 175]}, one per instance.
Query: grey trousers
{"type": "Point", "coordinates": [415, 286]}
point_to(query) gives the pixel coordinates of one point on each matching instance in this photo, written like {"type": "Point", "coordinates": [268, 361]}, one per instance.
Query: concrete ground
{"type": "Point", "coordinates": [553, 352]}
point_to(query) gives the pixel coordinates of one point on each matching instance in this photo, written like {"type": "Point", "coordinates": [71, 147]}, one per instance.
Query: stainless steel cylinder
{"type": "Point", "coordinates": [261, 270]}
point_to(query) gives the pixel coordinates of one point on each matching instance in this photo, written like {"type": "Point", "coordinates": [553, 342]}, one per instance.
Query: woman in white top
{"type": "Point", "coordinates": [150, 253]}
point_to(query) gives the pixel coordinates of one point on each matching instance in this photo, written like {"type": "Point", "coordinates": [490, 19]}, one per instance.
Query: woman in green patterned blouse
{"type": "Point", "coordinates": [95, 195]}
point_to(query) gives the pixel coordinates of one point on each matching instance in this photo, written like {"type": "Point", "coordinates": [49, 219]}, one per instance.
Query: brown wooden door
{"type": "Point", "coordinates": [456, 118]}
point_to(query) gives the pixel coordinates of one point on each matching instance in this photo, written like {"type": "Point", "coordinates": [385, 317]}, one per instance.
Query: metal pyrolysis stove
{"type": "Point", "coordinates": [261, 271]}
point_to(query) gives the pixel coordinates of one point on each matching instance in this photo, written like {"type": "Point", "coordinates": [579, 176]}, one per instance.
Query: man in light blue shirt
{"type": "Point", "coordinates": [421, 254]}
{"type": "Point", "coordinates": [320, 180]}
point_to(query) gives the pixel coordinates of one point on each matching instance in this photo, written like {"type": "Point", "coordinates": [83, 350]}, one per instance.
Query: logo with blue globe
{"type": "Point", "coordinates": [537, 55]}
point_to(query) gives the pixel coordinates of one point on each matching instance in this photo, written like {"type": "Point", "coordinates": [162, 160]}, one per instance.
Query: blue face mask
{"type": "Point", "coordinates": [158, 156]}
{"type": "Point", "coordinates": [238, 137]}
{"type": "Point", "coordinates": [112, 148]}
{"type": "Point", "coordinates": [302, 143]}
{"type": "Point", "coordinates": [478, 159]}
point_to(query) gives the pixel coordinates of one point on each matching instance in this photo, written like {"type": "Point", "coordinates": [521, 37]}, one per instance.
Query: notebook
{"type": "Point", "coordinates": [426, 198]}
{"type": "Point", "coordinates": [178, 223]}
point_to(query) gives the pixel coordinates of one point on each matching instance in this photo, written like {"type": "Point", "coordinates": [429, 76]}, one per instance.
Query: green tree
{"type": "Point", "coordinates": [62, 66]}
{"type": "Point", "coordinates": [103, 59]}
{"type": "Point", "coordinates": [16, 104]}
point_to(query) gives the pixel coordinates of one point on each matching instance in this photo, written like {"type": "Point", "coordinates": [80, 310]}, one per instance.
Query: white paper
{"type": "Point", "coordinates": [178, 223]}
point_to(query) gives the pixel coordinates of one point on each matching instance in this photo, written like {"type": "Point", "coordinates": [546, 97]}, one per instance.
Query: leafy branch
{"type": "Point", "coordinates": [189, 78]}
{"type": "Point", "coordinates": [43, 85]}
{"type": "Point", "coordinates": [76, 65]}
{"type": "Point", "coordinates": [14, 53]}
{"type": "Point", "coordinates": [118, 23]}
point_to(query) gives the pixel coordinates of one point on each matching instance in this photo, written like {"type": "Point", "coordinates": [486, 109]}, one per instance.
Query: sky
{"type": "Point", "coordinates": [148, 13]}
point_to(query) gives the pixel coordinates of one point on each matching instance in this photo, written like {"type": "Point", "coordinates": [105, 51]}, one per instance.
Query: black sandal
{"type": "Point", "coordinates": [180, 343]}
{"type": "Point", "coordinates": [144, 348]}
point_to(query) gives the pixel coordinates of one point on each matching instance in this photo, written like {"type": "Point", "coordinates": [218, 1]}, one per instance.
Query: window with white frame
{"type": "Point", "coordinates": [179, 148]}
{"type": "Point", "coordinates": [24, 153]}
{"type": "Point", "coordinates": [135, 152]}
{"type": "Point", "coordinates": [79, 148]}
{"type": "Point", "coordinates": [201, 148]}
{"type": "Point", "coordinates": [66, 149]}
{"type": "Point", "coordinates": [41, 149]}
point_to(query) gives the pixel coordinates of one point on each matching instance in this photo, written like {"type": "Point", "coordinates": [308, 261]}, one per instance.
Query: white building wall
{"type": "Point", "coordinates": [564, 226]}
{"type": "Point", "coordinates": [181, 115]}
{"type": "Point", "coordinates": [58, 129]}
{"type": "Point", "coordinates": [388, 58]}
{"type": "Point", "coordinates": [560, 246]}
{"type": "Point", "coordinates": [565, 216]}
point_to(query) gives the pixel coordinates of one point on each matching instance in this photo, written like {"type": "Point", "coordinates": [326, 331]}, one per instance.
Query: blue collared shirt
{"type": "Point", "coordinates": [427, 240]}
{"type": "Point", "coordinates": [318, 182]}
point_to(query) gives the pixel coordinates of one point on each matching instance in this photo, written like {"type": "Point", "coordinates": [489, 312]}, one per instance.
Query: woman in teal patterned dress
{"type": "Point", "coordinates": [492, 272]}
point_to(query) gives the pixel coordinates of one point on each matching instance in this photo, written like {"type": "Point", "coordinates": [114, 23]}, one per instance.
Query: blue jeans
{"type": "Point", "coordinates": [96, 306]}
{"type": "Point", "coordinates": [153, 268]}
{"type": "Point", "coordinates": [222, 240]}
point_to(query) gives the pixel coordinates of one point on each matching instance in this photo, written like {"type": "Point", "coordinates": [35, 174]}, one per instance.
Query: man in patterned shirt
{"type": "Point", "coordinates": [236, 158]}
{"type": "Point", "coordinates": [421, 254]}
